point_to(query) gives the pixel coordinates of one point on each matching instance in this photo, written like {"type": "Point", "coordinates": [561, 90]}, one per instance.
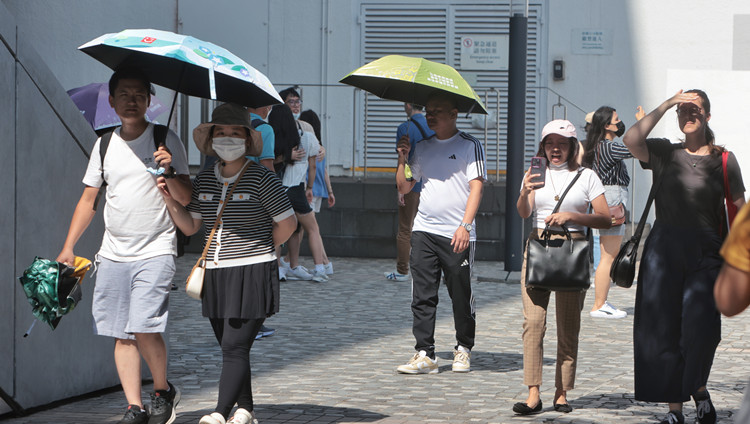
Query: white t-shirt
{"type": "Point", "coordinates": [445, 168]}
{"type": "Point", "coordinates": [295, 173]}
{"type": "Point", "coordinates": [587, 188]}
{"type": "Point", "coordinates": [136, 222]}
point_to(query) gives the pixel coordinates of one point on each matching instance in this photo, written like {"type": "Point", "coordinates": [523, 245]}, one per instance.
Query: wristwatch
{"type": "Point", "coordinates": [467, 226]}
{"type": "Point", "coordinates": [171, 174]}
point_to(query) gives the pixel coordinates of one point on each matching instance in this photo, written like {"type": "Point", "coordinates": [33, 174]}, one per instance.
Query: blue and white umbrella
{"type": "Point", "coordinates": [185, 64]}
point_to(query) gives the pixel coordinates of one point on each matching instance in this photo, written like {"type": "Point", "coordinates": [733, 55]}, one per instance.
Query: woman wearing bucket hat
{"type": "Point", "coordinates": [677, 327]}
{"type": "Point", "coordinates": [241, 285]}
{"type": "Point", "coordinates": [559, 147]}
{"type": "Point", "coordinates": [605, 156]}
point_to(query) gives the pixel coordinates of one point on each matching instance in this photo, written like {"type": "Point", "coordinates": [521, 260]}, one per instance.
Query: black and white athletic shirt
{"type": "Point", "coordinates": [244, 235]}
{"type": "Point", "coordinates": [608, 163]}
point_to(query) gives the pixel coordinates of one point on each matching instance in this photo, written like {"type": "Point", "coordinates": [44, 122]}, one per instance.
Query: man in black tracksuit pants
{"type": "Point", "coordinates": [451, 167]}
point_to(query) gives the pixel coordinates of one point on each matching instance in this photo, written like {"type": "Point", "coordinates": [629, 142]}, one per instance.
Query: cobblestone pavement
{"type": "Point", "coordinates": [334, 358]}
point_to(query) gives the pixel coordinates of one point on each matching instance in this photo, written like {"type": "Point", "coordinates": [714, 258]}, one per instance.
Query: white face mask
{"type": "Point", "coordinates": [296, 116]}
{"type": "Point", "coordinates": [229, 148]}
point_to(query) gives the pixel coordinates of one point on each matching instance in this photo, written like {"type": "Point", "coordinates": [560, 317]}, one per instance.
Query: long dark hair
{"type": "Point", "coordinates": [710, 138]}
{"type": "Point", "coordinates": [596, 133]}
{"type": "Point", "coordinates": [285, 131]}
{"type": "Point", "coordinates": [312, 118]}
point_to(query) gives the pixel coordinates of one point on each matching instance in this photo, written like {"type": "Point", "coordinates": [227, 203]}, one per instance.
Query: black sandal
{"type": "Point", "coordinates": [563, 407]}
{"type": "Point", "coordinates": [524, 409]}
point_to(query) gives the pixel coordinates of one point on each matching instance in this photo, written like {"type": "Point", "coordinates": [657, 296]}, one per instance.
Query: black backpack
{"type": "Point", "coordinates": [160, 138]}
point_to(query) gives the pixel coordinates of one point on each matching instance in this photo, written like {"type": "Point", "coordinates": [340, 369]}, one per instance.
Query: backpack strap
{"type": "Point", "coordinates": [258, 122]}
{"type": "Point", "coordinates": [103, 145]}
{"type": "Point", "coordinates": [419, 127]}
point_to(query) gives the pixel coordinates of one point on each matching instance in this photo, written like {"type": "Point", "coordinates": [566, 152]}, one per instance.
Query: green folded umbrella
{"type": "Point", "coordinates": [412, 80]}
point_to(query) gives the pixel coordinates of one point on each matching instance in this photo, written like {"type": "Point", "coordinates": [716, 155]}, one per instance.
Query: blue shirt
{"type": "Point", "coordinates": [319, 187]}
{"type": "Point", "coordinates": [412, 127]}
{"type": "Point", "coordinates": [269, 140]}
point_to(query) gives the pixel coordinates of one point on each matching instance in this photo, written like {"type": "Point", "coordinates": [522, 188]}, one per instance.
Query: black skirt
{"type": "Point", "coordinates": [244, 292]}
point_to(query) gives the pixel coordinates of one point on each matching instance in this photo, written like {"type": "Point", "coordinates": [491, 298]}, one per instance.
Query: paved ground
{"type": "Point", "coordinates": [333, 360]}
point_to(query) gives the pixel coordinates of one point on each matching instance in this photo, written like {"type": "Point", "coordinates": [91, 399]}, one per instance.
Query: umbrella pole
{"type": "Point", "coordinates": [174, 99]}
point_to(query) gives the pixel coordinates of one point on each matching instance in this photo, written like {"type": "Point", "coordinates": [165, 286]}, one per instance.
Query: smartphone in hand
{"type": "Point", "coordinates": [539, 166]}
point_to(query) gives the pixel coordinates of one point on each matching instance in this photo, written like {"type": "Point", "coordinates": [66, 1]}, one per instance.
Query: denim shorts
{"type": "Point", "coordinates": [615, 195]}
{"type": "Point", "coordinates": [132, 297]}
{"type": "Point", "coordinates": [298, 200]}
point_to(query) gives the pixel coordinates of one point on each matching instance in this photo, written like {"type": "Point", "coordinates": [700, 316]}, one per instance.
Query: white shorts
{"type": "Point", "coordinates": [315, 205]}
{"type": "Point", "coordinates": [132, 297]}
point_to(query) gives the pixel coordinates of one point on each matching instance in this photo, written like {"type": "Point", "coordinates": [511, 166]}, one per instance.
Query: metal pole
{"type": "Point", "coordinates": [364, 178]}
{"type": "Point", "coordinates": [354, 128]}
{"type": "Point", "coordinates": [486, 129]}
{"type": "Point", "coordinates": [516, 124]}
{"type": "Point", "coordinates": [497, 135]}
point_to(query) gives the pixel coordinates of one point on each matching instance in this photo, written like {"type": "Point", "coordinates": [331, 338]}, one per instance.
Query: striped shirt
{"type": "Point", "coordinates": [445, 168]}
{"type": "Point", "coordinates": [608, 163]}
{"type": "Point", "coordinates": [245, 234]}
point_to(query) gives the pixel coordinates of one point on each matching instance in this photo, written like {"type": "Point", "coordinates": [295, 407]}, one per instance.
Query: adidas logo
{"type": "Point", "coordinates": [452, 157]}
{"type": "Point", "coordinates": [465, 263]}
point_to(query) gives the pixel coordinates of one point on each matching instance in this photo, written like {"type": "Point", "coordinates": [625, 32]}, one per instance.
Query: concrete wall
{"type": "Point", "coordinates": [43, 143]}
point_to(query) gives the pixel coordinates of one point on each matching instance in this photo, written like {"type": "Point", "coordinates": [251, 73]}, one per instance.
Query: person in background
{"type": "Point", "coordinates": [300, 195]}
{"type": "Point", "coordinates": [677, 326]}
{"type": "Point", "coordinates": [322, 189]}
{"type": "Point", "coordinates": [241, 285]}
{"type": "Point", "coordinates": [417, 129]}
{"type": "Point", "coordinates": [605, 156]}
{"type": "Point", "coordinates": [559, 145]}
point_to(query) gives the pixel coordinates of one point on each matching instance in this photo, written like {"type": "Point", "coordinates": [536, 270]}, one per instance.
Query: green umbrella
{"type": "Point", "coordinates": [412, 80]}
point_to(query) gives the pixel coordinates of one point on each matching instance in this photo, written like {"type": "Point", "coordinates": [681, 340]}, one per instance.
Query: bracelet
{"type": "Point", "coordinates": [171, 174]}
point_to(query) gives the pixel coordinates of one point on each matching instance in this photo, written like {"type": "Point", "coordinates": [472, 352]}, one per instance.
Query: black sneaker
{"type": "Point", "coordinates": [134, 415]}
{"type": "Point", "coordinates": [673, 417]}
{"type": "Point", "coordinates": [163, 404]}
{"type": "Point", "coordinates": [704, 408]}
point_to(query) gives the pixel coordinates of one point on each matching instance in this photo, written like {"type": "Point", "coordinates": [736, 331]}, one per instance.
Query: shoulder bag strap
{"type": "Point", "coordinates": [221, 211]}
{"type": "Point", "coordinates": [651, 195]}
{"type": "Point", "coordinates": [419, 127]}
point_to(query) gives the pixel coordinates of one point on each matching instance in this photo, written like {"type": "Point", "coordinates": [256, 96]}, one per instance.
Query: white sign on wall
{"type": "Point", "coordinates": [484, 52]}
{"type": "Point", "coordinates": [591, 41]}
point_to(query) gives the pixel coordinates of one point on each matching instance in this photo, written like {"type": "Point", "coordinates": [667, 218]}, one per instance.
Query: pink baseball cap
{"type": "Point", "coordinates": [561, 127]}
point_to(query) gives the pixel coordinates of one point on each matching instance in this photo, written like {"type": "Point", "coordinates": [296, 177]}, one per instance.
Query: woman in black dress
{"type": "Point", "coordinates": [677, 326]}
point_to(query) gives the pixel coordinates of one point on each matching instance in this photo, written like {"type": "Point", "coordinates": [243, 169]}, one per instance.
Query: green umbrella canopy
{"type": "Point", "coordinates": [412, 80]}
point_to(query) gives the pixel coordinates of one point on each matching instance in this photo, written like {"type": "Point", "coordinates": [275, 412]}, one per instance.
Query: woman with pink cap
{"type": "Point", "coordinates": [559, 146]}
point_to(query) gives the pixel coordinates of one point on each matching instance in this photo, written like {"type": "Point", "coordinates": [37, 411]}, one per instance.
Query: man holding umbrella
{"type": "Point", "coordinates": [451, 167]}
{"type": "Point", "coordinates": [136, 258]}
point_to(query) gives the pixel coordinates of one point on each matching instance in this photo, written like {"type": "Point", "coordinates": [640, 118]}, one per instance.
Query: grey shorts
{"type": "Point", "coordinates": [132, 297]}
{"type": "Point", "coordinates": [615, 195]}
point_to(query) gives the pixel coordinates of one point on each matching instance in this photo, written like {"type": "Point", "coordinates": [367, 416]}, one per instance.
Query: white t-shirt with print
{"type": "Point", "coordinates": [445, 168]}
{"type": "Point", "coordinates": [136, 222]}
{"type": "Point", "coordinates": [295, 173]}
{"type": "Point", "coordinates": [587, 188]}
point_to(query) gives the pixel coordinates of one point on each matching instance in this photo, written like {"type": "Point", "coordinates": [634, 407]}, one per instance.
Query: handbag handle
{"type": "Point", "coordinates": [545, 233]}
{"type": "Point", "coordinates": [221, 212]}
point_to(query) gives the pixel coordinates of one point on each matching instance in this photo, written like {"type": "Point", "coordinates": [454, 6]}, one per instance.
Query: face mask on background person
{"type": "Point", "coordinates": [229, 148]}
{"type": "Point", "coordinates": [296, 116]}
{"type": "Point", "coordinates": [620, 129]}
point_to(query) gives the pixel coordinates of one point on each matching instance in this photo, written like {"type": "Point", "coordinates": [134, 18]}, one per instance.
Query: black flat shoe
{"type": "Point", "coordinates": [524, 409]}
{"type": "Point", "coordinates": [563, 407]}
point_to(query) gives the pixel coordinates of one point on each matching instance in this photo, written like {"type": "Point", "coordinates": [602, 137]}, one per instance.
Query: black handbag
{"type": "Point", "coordinates": [623, 267]}
{"type": "Point", "coordinates": [560, 264]}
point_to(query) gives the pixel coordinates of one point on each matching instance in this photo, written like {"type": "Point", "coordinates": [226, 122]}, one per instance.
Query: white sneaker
{"type": "Point", "coordinates": [420, 363]}
{"type": "Point", "coordinates": [329, 268]}
{"type": "Point", "coordinates": [284, 264]}
{"type": "Point", "coordinates": [214, 418]}
{"type": "Point", "coordinates": [461, 360]}
{"type": "Point", "coordinates": [319, 277]}
{"type": "Point", "coordinates": [298, 273]}
{"type": "Point", "coordinates": [242, 416]}
{"type": "Point", "coordinates": [608, 311]}
{"type": "Point", "coordinates": [395, 276]}
{"type": "Point", "coordinates": [282, 274]}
